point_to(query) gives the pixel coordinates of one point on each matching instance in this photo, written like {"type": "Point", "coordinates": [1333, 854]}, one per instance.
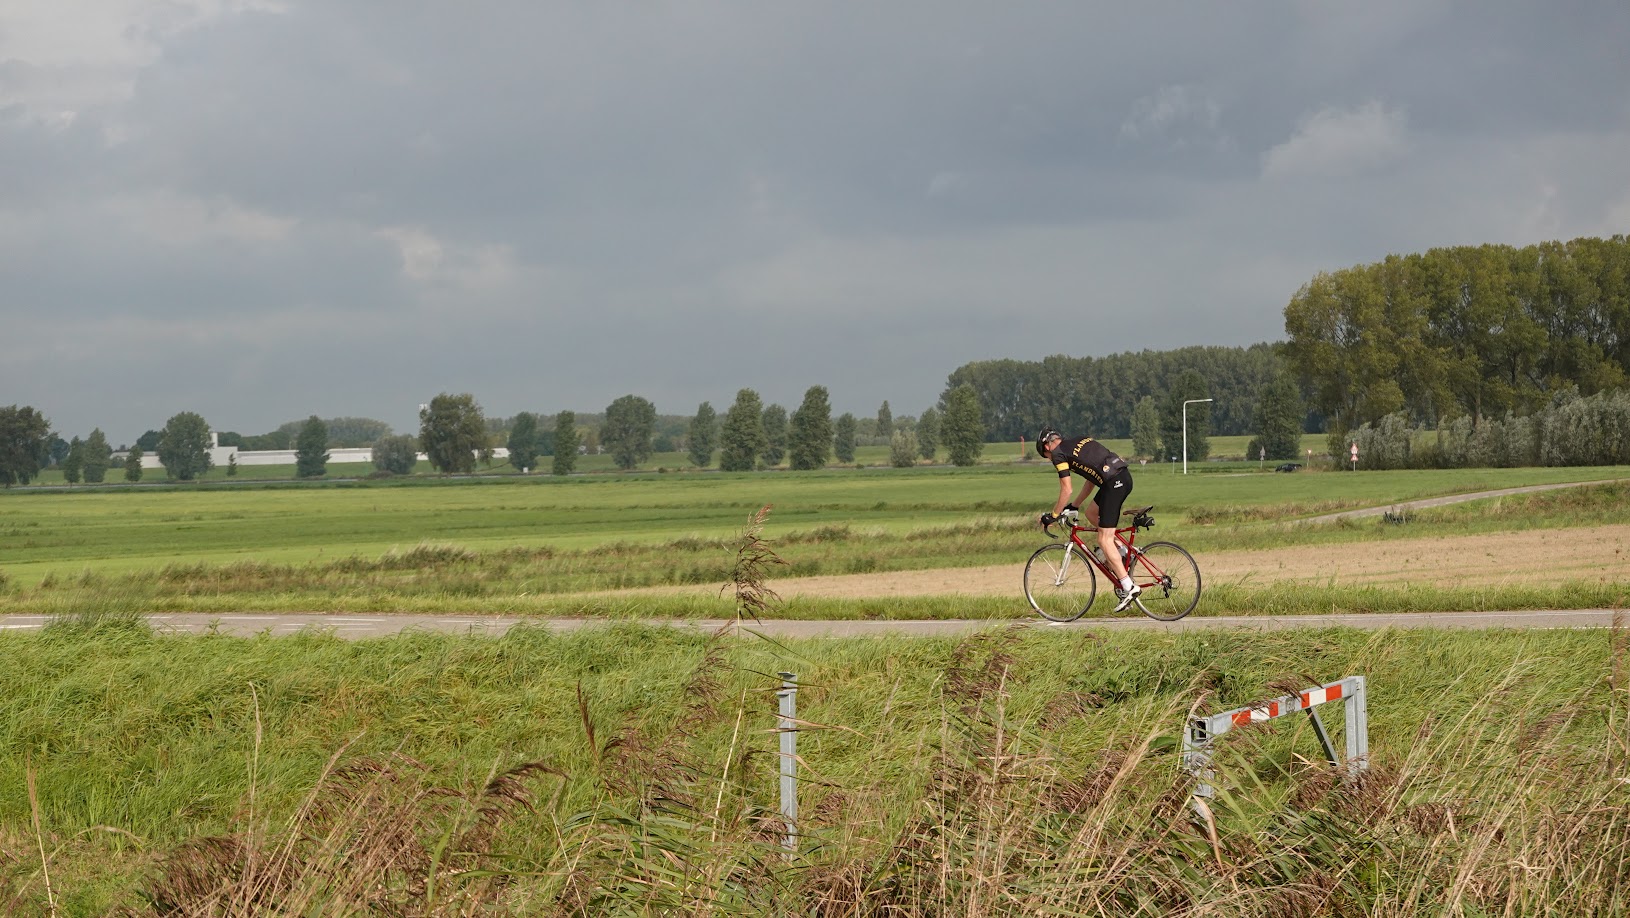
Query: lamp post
{"type": "Point", "coordinates": [1186, 405]}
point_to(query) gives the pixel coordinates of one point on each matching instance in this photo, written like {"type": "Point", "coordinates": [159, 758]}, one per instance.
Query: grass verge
{"type": "Point", "coordinates": [627, 770]}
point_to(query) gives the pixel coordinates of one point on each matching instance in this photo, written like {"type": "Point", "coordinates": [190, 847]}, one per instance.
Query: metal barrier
{"type": "Point", "coordinates": [1202, 731]}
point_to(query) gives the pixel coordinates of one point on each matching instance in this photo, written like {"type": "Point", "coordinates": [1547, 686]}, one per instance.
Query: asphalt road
{"type": "Point", "coordinates": [374, 626]}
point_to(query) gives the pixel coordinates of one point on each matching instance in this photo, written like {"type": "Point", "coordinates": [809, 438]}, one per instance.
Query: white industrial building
{"type": "Point", "coordinates": [222, 456]}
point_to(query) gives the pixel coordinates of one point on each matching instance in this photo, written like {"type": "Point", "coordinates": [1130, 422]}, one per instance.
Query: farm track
{"type": "Point", "coordinates": [1600, 553]}
{"type": "Point", "coordinates": [1497, 559]}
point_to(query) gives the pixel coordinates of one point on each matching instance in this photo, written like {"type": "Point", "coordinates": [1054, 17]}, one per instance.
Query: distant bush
{"type": "Point", "coordinates": [903, 449]}
{"type": "Point", "coordinates": [396, 454]}
{"type": "Point", "coordinates": [1572, 431]}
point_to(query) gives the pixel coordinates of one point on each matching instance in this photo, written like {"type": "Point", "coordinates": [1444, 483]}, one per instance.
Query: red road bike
{"type": "Point", "coordinates": [1061, 583]}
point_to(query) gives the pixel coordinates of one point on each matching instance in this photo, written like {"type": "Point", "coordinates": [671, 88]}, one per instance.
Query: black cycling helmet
{"type": "Point", "coordinates": [1047, 433]}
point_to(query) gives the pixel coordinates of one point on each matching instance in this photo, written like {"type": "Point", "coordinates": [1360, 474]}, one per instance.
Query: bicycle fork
{"type": "Point", "coordinates": [1064, 568]}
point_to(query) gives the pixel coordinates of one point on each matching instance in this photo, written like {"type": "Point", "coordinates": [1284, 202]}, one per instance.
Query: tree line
{"type": "Point", "coordinates": [1480, 333]}
{"type": "Point", "coordinates": [752, 435]}
{"type": "Point", "coordinates": [1098, 396]}
{"type": "Point", "coordinates": [454, 435]}
{"type": "Point", "coordinates": [1474, 332]}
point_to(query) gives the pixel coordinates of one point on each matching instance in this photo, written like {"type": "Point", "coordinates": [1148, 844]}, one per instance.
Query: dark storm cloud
{"type": "Point", "coordinates": [343, 209]}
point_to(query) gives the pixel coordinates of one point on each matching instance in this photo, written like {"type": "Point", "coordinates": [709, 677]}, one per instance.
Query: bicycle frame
{"type": "Point", "coordinates": [1144, 573]}
{"type": "Point", "coordinates": [1125, 537]}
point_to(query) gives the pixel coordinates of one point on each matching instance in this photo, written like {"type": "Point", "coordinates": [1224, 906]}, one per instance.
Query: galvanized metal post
{"type": "Point", "coordinates": [1197, 756]}
{"type": "Point", "coordinates": [1358, 726]}
{"type": "Point", "coordinates": [787, 726]}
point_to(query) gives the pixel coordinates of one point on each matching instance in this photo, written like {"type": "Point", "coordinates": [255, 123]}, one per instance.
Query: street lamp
{"type": "Point", "coordinates": [1186, 430]}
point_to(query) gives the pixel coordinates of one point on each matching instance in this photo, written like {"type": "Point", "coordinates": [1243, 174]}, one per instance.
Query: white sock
{"type": "Point", "coordinates": [1126, 583]}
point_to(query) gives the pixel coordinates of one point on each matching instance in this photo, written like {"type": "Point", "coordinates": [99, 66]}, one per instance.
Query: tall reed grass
{"type": "Point", "coordinates": [629, 771]}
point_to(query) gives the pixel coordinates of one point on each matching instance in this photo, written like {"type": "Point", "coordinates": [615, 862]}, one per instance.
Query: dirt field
{"type": "Point", "coordinates": [1601, 552]}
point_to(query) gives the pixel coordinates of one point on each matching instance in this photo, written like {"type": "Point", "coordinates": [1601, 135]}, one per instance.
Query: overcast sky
{"type": "Point", "coordinates": [261, 210]}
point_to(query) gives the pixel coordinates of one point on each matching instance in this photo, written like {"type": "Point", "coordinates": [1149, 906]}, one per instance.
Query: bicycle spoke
{"type": "Point", "coordinates": [1169, 579]}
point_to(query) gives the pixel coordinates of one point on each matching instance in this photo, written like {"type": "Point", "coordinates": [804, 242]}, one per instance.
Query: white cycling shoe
{"type": "Point", "coordinates": [1129, 597]}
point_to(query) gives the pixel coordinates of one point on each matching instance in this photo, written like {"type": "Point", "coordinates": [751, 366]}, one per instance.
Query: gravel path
{"type": "Point", "coordinates": [1442, 501]}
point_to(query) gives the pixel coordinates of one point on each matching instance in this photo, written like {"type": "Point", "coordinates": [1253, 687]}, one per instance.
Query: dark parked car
{"type": "Point", "coordinates": [1288, 467]}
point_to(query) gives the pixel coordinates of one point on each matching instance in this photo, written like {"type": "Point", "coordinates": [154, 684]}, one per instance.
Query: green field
{"type": "Point", "coordinates": [512, 544]}
{"type": "Point", "coordinates": [1019, 772]}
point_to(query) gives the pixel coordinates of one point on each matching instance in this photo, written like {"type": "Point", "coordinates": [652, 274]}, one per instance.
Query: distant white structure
{"type": "Point", "coordinates": [221, 456]}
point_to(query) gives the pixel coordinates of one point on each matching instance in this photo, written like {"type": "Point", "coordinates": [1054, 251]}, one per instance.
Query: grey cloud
{"type": "Point", "coordinates": [1337, 143]}
{"type": "Point", "coordinates": [339, 208]}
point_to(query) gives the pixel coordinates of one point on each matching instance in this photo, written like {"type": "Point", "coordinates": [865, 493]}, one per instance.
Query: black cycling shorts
{"type": "Point", "coordinates": [1111, 496]}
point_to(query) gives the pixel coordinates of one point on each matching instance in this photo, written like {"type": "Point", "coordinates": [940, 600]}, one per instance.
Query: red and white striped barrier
{"type": "Point", "coordinates": [1279, 707]}
{"type": "Point", "coordinates": [1202, 731]}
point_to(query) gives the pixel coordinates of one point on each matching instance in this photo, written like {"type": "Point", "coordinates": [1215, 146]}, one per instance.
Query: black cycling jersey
{"type": "Point", "coordinates": [1088, 458]}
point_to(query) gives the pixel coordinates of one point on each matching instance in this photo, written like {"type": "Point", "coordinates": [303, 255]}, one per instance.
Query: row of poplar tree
{"type": "Point", "coordinates": [453, 437]}
{"type": "Point", "coordinates": [749, 435]}
{"type": "Point", "coordinates": [26, 440]}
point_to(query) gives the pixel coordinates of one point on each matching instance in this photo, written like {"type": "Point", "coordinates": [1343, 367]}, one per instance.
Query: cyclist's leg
{"type": "Point", "coordinates": [1111, 497]}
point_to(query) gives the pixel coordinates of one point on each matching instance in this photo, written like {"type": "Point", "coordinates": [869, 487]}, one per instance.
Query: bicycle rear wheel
{"type": "Point", "coordinates": [1169, 578]}
{"type": "Point", "coordinates": [1059, 582]}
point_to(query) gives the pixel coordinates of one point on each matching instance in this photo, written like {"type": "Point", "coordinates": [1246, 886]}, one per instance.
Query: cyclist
{"type": "Point", "coordinates": [1101, 469]}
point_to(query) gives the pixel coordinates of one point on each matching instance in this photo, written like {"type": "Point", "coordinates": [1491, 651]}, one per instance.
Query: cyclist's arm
{"type": "Point", "coordinates": [1081, 501]}
{"type": "Point", "coordinates": [1063, 494]}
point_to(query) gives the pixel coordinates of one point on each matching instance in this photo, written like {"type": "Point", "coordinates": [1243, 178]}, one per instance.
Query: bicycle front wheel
{"type": "Point", "coordinates": [1169, 578]}
{"type": "Point", "coordinates": [1059, 582]}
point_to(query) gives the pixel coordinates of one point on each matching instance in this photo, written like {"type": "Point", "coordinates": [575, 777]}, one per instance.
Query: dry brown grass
{"type": "Point", "coordinates": [376, 836]}
{"type": "Point", "coordinates": [755, 557]}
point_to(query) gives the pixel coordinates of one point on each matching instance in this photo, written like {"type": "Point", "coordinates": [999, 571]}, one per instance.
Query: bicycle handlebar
{"type": "Point", "coordinates": [1072, 517]}
{"type": "Point", "coordinates": [1066, 517]}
